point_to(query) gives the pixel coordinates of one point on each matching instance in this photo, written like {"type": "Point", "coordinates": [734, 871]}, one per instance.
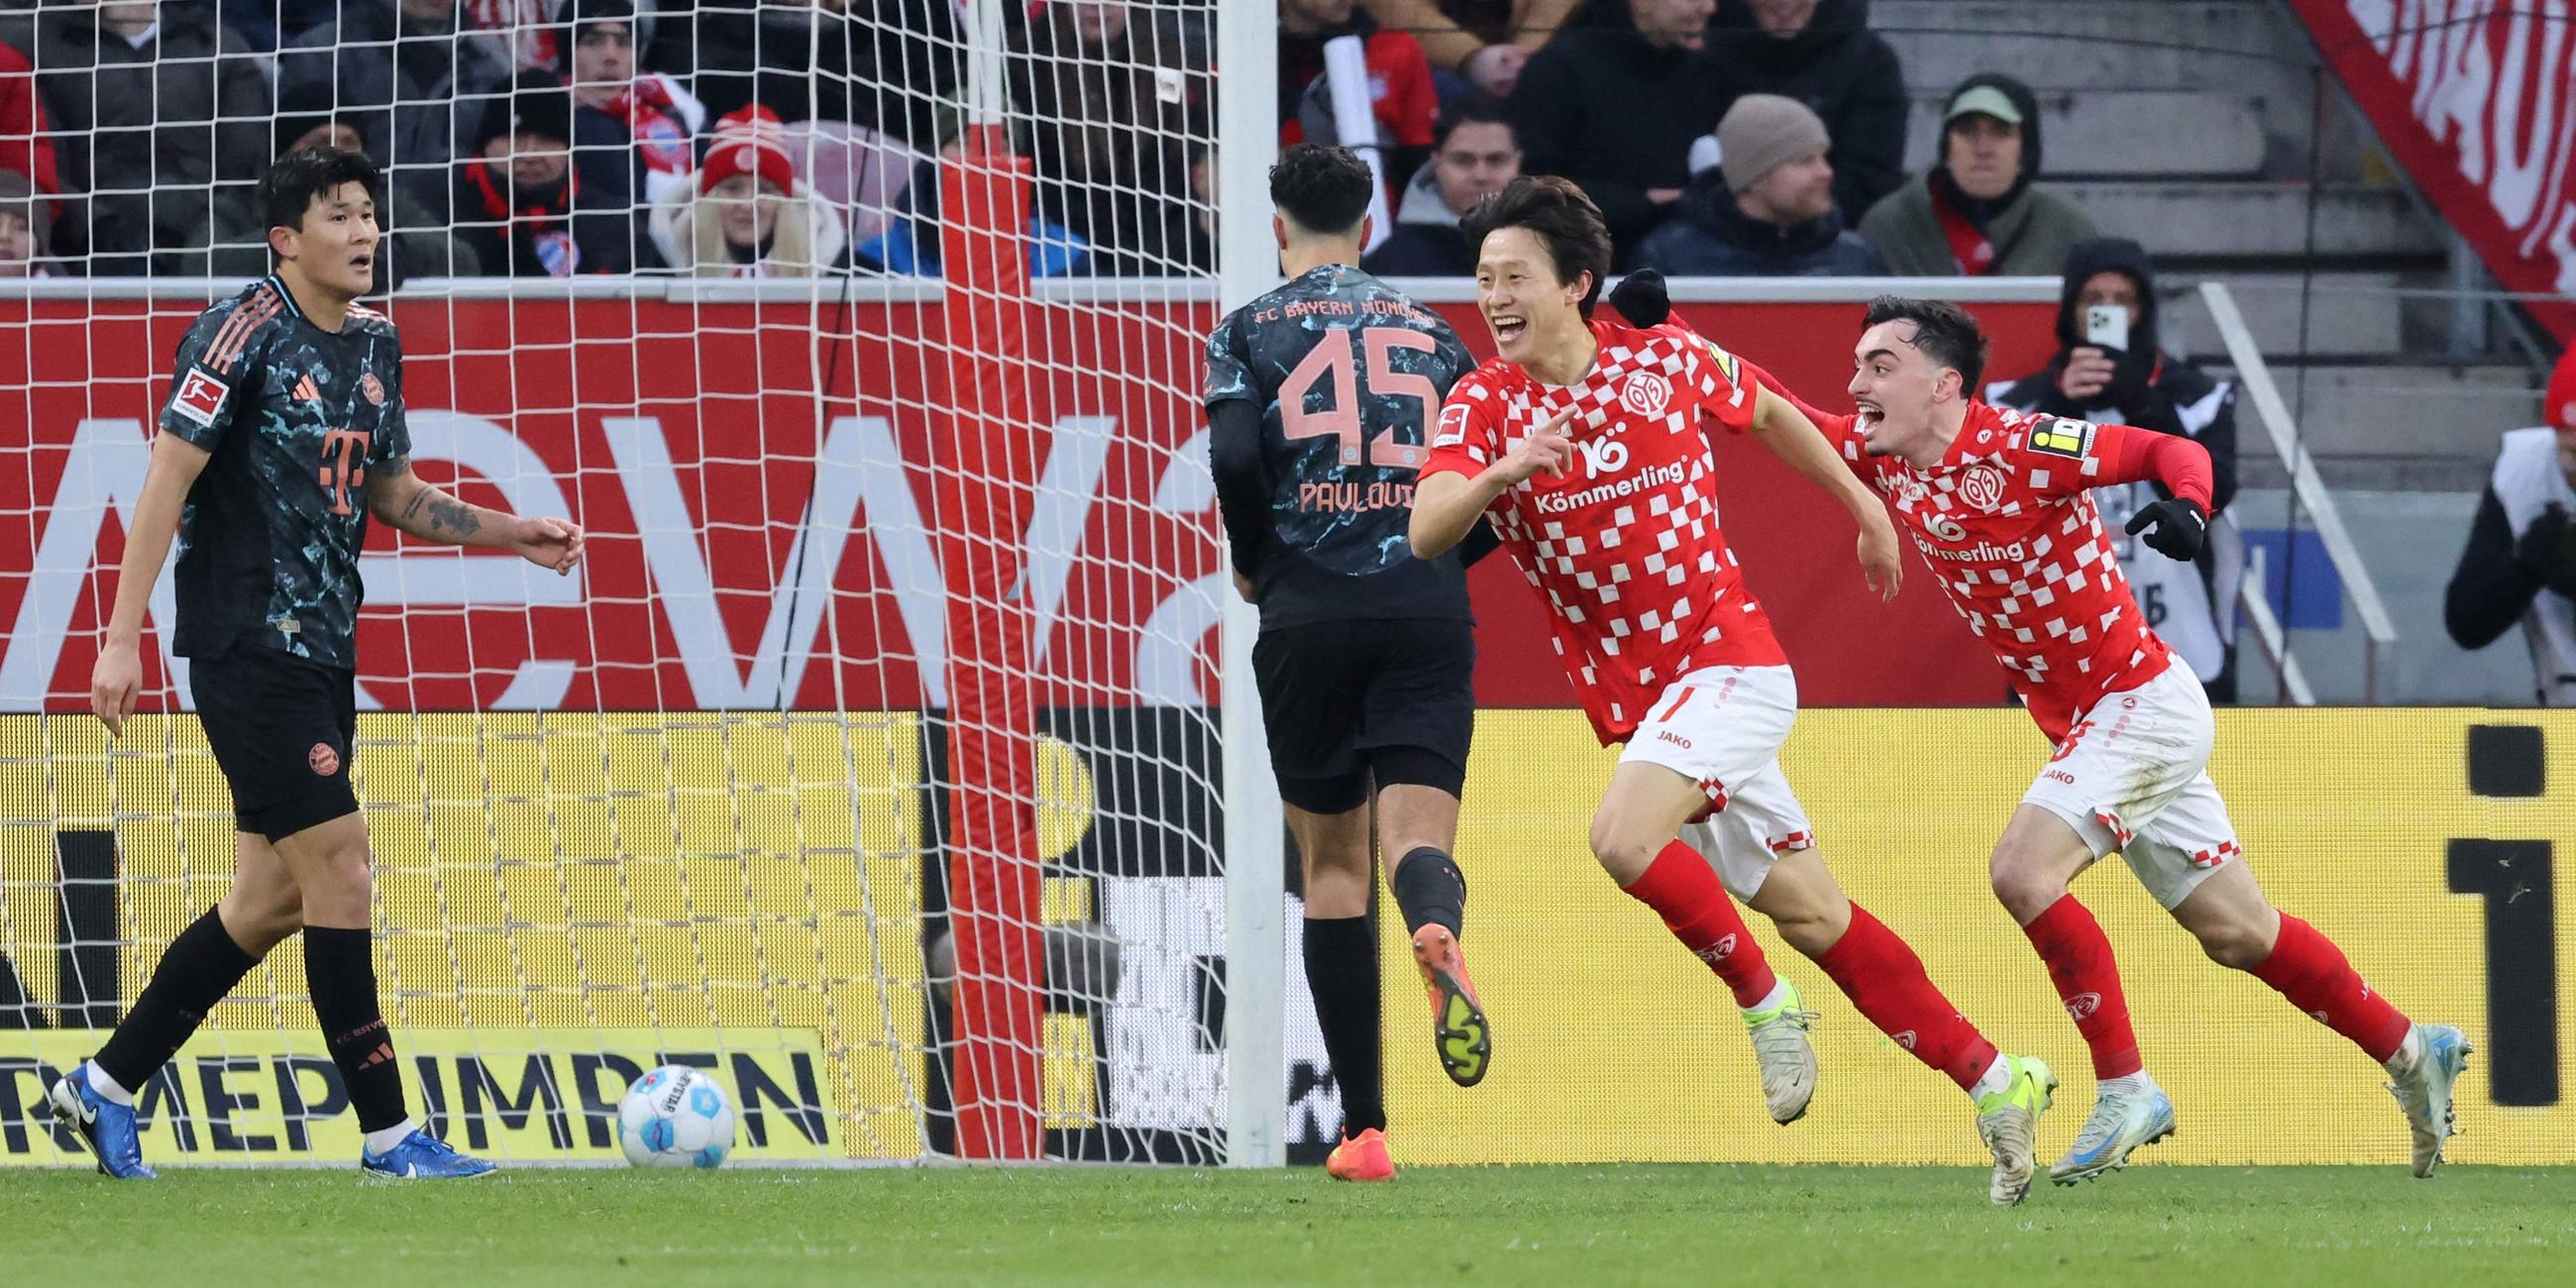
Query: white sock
{"type": "Point", "coordinates": [2398, 1065]}
{"type": "Point", "coordinates": [2136, 1084]}
{"type": "Point", "coordinates": [1996, 1077]}
{"type": "Point", "coordinates": [386, 1138]}
{"type": "Point", "coordinates": [1779, 993]}
{"type": "Point", "coordinates": [107, 1087]}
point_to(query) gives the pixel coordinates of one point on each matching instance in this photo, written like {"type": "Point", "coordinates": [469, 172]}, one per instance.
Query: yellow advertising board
{"type": "Point", "coordinates": [252, 1096]}
{"type": "Point", "coordinates": [563, 884]}
{"type": "Point", "coordinates": [1613, 1043]}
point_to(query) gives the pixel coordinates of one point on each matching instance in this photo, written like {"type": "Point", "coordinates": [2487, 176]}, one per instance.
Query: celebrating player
{"type": "Point", "coordinates": [284, 431]}
{"type": "Point", "coordinates": [1584, 443]}
{"type": "Point", "coordinates": [2000, 504]}
{"type": "Point", "coordinates": [1320, 396]}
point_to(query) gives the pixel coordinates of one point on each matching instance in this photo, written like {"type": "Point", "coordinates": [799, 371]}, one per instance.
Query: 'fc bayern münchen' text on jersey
{"type": "Point", "coordinates": [1349, 375]}
{"type": "Point", "coordinates": [2006, 522]}
{"type": "Point", "coordinates": [1625, 546]}
{"type": "Point", "coordinates": [295, 417]}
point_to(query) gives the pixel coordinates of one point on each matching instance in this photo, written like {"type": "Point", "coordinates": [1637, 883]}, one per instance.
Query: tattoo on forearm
{"type": "Point", "coordinates": [447, 517]}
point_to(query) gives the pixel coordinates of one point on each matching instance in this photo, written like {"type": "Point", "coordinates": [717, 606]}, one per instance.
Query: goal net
{"type": "Point", "coordinates": [874, 757]}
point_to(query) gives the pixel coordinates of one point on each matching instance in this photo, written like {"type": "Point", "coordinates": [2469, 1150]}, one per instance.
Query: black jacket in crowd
{"type": "Point", "coordinates": [1616, 114]}
{"type": "Point", "coordinates": [1843, 71]}
{"type": "Point", "coordinates": [1711, 236]}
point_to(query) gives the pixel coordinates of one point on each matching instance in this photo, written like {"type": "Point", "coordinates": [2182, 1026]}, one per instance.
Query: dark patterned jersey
{"type": "Point", "coordinates": [1348, 376]}
{"type": "Point", "coordinates": [296, 417]}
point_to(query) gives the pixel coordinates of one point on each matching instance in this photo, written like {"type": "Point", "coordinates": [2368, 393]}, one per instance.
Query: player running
{"type": "Point", "coordinates": [284, 431]}
{"type": "Point", "coordinates": [2000, 504]}
{"type": "Point", "coordinates": [1583, 441]}
{"type": "Point", "coordinates": [1320, 396]}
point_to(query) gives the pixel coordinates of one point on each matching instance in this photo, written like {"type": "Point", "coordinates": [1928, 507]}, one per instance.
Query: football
{"type": "Point", "coordinates": [676, 1116]}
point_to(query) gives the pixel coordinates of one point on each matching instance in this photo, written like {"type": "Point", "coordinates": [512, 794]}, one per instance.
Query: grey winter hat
{"type": "Point", "coordinates": [1763, 132]}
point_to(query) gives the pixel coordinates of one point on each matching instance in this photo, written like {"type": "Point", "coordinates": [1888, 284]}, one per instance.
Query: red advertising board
{"type": "Point", "coordinates": [760, 484]}
{"type": "Point", "coordinates": [2478, 102]}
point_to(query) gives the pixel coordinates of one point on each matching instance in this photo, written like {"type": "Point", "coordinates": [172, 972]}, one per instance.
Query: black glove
{"type": "Point", "coordinates": [2179, 527]}
{"type": "Point", "coordinates": [2546, 551]}
{"type": "Point", "coordinates": [1641, 298]}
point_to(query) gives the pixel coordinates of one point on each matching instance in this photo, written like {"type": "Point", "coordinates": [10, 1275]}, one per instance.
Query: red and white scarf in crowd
{"type": "Point", "coordinates": [665, 119]}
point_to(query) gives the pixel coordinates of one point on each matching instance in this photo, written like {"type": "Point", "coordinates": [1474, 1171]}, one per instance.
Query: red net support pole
{"type": "Point", "coordinates": [984, 498]}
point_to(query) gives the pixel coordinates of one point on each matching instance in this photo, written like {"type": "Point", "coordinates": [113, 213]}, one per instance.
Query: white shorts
{"type": "Point", "coordinates": [2133, 776]}
{"type": "Point", "coordinates": [1721, 727]}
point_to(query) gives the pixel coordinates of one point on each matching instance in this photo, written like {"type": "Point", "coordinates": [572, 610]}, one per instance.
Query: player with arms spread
{"type": "Point", "coordinates": [1320, 398]}
{"type": "Point", "coordinates": [2000, 504]}
{"type": "Point", "coordinates": [1584, 442]}
{"type": "Point", "coordinates": [283, 433]}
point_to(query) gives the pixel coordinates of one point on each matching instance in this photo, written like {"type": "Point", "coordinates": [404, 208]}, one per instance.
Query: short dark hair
{"type": "Point", "coordinates": [1556, 212]}
{"type": "Point", "coordinates": [1474, 109]}
{"type": "Point", "coordinates": [1324, 188]}
{"type": "Point", "coordinates": [1947, 334]}
{"type": "Point", "coordinates": [290, 186]}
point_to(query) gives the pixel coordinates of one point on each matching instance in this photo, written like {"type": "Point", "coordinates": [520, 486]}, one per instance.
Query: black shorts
{"type": "Point", "coordinates": [1348, 702]}
{"type": "Point", "coordinates": [284, 731]}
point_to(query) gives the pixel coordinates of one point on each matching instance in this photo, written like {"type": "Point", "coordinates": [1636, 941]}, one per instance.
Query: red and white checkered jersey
{"type": "Point", "coordinates": [2007, 523]}
{"type": "Point", "coordinates": [1625, 546]}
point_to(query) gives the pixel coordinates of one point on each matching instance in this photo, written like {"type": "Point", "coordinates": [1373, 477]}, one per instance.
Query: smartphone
{"type": "Point", "coordinates": [2107, 325]}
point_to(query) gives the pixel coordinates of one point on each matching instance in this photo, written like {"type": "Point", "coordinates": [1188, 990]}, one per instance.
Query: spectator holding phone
{"type": "Point", "coordinates": [2109, 369]}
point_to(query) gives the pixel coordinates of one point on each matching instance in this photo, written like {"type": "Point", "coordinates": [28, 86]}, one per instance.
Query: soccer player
{"type": "Point", "coordinates": [283, 434]}
{"type": "Point", "coordinates": [2000, 504]}
{"type": "Point", "coordinates": [1320, 399]}
{"type": "Point", "coordinates": [1584, 442]}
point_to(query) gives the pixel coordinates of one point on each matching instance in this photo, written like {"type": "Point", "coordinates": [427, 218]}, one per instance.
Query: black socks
{"type": "Point", "coordinates": [340, 968]}
{"type": "Point", "coordinates": [1429, 888]}
{"type": "Point", "coordinates": [194, 973]}
{"type": "Point", "coordinates": [1342, 973]}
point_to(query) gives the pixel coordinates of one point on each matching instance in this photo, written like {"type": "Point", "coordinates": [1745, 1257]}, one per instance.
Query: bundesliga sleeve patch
{"type": "Point", "coordinates": [2059, 436]}
{"type": "Point", "coordinates": [1453, 426]}
{"type": "Point", "coordinates": [200, 397]}
{"type": "Point", "coordinates": [1726, 363]}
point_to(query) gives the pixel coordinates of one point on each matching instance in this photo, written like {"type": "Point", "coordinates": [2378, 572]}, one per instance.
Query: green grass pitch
{"type": "Point", "coordinates": [1578, 1225]}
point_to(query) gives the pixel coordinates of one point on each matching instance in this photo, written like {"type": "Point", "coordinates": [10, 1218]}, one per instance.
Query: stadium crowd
{"type": "Point", "coordinates": [787, 137]}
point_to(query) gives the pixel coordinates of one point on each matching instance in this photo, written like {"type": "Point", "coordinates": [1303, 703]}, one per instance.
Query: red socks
{"type": "Point", "coordinates": [1684, 890]}
{"type": "Point", "coordinates": [1885, 980]}
{"type": "Point", "coordinates": [2308, 969]}
{"type": "Point", "coordinates": [2088, 981]}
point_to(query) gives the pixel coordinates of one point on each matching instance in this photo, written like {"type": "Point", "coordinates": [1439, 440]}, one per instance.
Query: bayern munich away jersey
{"type": "Point", "coordinates": [2006, 522]}
{"type": "Point", "coordinates": [296, 418]}
{"type": "Point", "coordinates": [1625, 547]}
{"type": "Point", "coordinates": [1348, 376]}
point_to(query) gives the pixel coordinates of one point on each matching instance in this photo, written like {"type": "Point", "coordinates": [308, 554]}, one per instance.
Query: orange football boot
{"type": "Point", "coordinates": [1459, 1030]}
{"type": "Point", "coordinates": [1361, 1158]}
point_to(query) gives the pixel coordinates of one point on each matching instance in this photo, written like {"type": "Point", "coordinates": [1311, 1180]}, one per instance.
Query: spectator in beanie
{"type": "Point", "coordinates": [745, 214]}
{"type": "Point", "coordinates": [1483, 42]}
{"type": "Point", "coordinates": [1475, 155]}
{"type": "Point", "coordinates": [1976, 214]}
{"type": "Point", "coordinates": [2192, 605]}
{"type": "Point", "coordinates": [1616, 110]}
{"type": "Point", "coordinates": [1767, 208]}
{"type": "Point", "coordinates": [522, 205]}
{"type": "Point", "coordinates": [1823, 54]}
{"type": "Point", "coordinates": [2520, 564]}
{"type": "Point", "coordinates": [596, 52]}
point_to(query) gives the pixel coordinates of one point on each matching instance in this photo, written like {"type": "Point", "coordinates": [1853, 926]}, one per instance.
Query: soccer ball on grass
{"type": "Point", "coordinates": [676, 1116]}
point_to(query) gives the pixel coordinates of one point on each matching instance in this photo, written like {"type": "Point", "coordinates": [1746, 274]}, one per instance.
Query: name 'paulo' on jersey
{"type": "Point", "coordinates": [1348, 376]}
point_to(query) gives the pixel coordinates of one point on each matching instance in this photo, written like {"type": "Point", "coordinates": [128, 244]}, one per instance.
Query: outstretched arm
{"type": "Point", "coordinates": [2176, 525]}
{"type": "Point", "coordinates": [397, 496]}
{"type": "Point", "coordinates": [1786, 432]}
{"type": "Point", "coordinates": [116, 679]}
{"type": "Point", "coordinates": [1447, 504]}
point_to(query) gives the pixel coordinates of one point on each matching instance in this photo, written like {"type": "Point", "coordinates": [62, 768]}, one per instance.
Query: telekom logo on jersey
{"type": "Point", "coordinates": [860, 489]}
